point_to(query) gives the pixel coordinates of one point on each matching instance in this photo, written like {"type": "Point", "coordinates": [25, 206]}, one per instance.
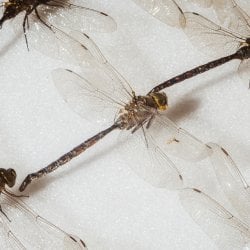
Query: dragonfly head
{"type": "Point", "coordinates": [160, 100]}
{"type": "Point", "coordinates": [8, 177]}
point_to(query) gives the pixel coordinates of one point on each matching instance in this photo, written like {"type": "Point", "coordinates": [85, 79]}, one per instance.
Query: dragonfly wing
{"type": "Point", "coordinates": [85, 97]}
{"type": "Point", "coordinates": [149, 162]}
{"type": "Point", "coordinates": [203, 3]}
{"type": "Point", "coordinates": [102, 88]}
{"type": "Point", "coordinates": [222, 8]}
{"type": "Point", "coordinates": [166, 11]}
{"type": "Point", "coordinates": [231, 180]}
{"type": "Point", "coordinates": [78, 245]}
{"type": "Point", "coordinates": [38, 233]}
{"type": "Point", "coordinates": [51, 41]}
{"type": "Point", "coordinates": [7, 238]}
{"type": "Point", "coordinates": [79, 18]}
{"type": "Point", "coordinates": [210, 37]}
{"type": "Point", "coordinates": [177, 141]}
{"type": "Point", "coordinates": [227, 231]}
{"type": "Point", "coordinates": [123, 90]}
{"type": "Point", "coordinates": [244, 70]}
{"type": "Point", "coordinates": [238, 19]}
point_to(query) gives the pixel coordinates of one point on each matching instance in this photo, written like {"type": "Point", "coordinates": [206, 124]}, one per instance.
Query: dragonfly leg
{"type": "Point", "coordinates": [1, 210]}
{"type": "Point", "coordinates": [15, 195]}
{"type": "Point", "coordinates": [25, 20]}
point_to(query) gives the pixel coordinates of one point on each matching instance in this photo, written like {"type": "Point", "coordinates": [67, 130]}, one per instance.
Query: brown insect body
{"type": "Point", "coordinates": [244, 52]}
{"type": "Point", "coordinates": [141, 110]}
{"type": "Point", "coordinates": [14, 7]}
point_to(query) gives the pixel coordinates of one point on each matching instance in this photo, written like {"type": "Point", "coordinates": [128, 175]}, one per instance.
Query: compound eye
{"type": "Point", "coordinates": [11, 177]}
{"type": "Point", "coordinates": [162, 102]}
{"type": "Point", "coordinates": [13, 172]}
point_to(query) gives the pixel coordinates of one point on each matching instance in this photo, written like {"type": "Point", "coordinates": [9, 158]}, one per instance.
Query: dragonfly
{"type": "Point", "coordinates": [211, 38]}
{"type": "Point", "coordinates": [15, 216]}
{"type": "Point", "coordinates": [40, 19]}
{"type": "Point", "coordinates": [143, 117]}
{"type": "Point", "coordinates": [226, 230]}
{"type": "Point", "coordinates": [233, 184]}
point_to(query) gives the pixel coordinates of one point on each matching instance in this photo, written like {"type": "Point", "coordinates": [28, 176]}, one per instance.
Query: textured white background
{"type": "Point", "coordinates": [97, 196]}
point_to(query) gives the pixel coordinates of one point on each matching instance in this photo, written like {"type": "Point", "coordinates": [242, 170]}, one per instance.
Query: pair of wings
{"type": "Point", "coordinates": [171, 13]}
{"type": "Point", "coordinates": [226, 230]}
{"type": "Point", "coordinates": [99, 92]}
{"type": "Point", "coordinates": [230, 14]}
{"type": "Point", "coordinates": [231, 180]}
{"type": "Point", "coordinates": [204, 34]}
{"type": "Point", "coordinates": [61, 15]}
{"type": "Point", "coordinates": [22, 228]}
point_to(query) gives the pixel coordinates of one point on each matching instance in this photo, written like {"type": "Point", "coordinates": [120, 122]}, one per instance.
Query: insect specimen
{"type": "Point", "coordinates": [211, 37]}
{"type": "Point", "coordinates": [108, 93]}
{"type": "Point", "coordinates": [40, 17]}
{"type": "Point", "coordinates": [22, 228]}
{"type": "Point", "coordinates": [231, 180]}
{"type": "Point", "coordinates": [226, 230]}
{"type": "Point", "coordinates": [208, 36]}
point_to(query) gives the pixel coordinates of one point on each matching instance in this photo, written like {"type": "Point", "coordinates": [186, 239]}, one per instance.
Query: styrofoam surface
{"type": "Point", "coordinates": [97, 196]}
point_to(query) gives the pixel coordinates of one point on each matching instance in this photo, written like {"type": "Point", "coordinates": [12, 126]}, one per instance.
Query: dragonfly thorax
{"type": "Point", "coordinates": [244, 52]}
{"type": "Point", "coordinates": [141, 110]}
{"type": "Point", "coordinates": [13, 7]}
{"type": "Point", "coordinates": [7, 177]}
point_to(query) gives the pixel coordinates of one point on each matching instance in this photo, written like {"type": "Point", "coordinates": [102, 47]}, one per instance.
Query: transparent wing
{"type": "Point", "coordinates": [85, 98]}
{"type": "Point", "coordinates": [124, 89]}
{"type": "Point", "coordinates": [227, 231]}
{"type": "Point", "coordinates": [47, 33]}
{"type": "Point", "coordinates": [244, 5]}
{"type": "Point", "coordinates": [52, 42]}
{"type": "Point", "coordinates": [244, 70]}
{"type": "Point", "coordinates": [231, 180]}
{"type": "Point", "coordinates": [148, 161]}
{"type": "Point", "coordinates": [38, 233]}
{"type": "Point", "coordinates": [209, 37]}
{"type": "Point", "coordinates": [238, 19]}
{"type": "Point", "coordinates": [203, 3]}
{"type": "Point", "coordinates": [7, 239]}
{"type": "Point", "coordinates": [76, 17]}
{"type": "Point", "coordinates": [162, 137]}
{"type": "Point", "coordinates": [99, 86]}
{"type": "Point", "coordinates": [222, 9]}
{"type": "Point", "coordinates": [166, 11]}
{"type": "Point", "coordinates": [177, 141]}
{"type": "Point", "coordinates": [79, 243]}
